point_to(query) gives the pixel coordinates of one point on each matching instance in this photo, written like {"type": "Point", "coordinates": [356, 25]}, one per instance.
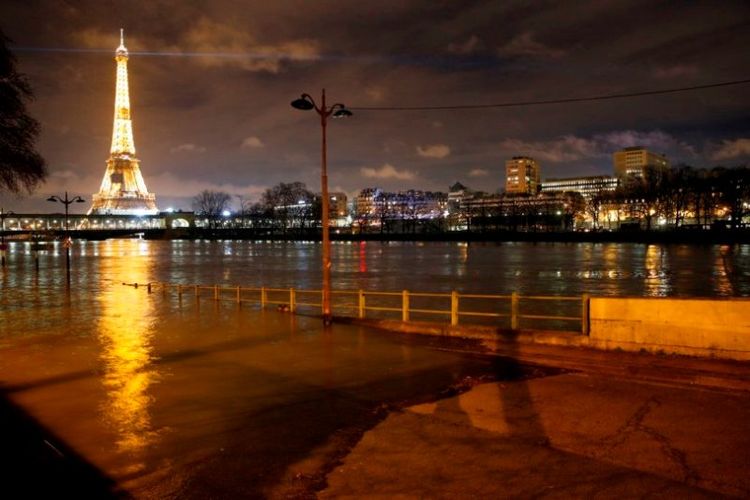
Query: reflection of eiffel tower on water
{"type": "Point", "coordinates": [123, 191]}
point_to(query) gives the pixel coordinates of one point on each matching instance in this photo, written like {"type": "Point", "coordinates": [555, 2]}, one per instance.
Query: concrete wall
{"type": "Point", "coordinates": [718, 328]}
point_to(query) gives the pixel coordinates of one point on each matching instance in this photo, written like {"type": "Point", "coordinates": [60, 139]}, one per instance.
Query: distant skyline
{"type": "Point", "coordinates": [211, 86]}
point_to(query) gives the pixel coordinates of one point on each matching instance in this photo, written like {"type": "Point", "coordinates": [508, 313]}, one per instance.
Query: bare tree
{"type": "Point", "coordinates": [21, 167]}
{"type": "Point", "coordinates": [290, 203]}
{"type": "Point", "coordinates": [735, 190]}
{"type": "Point", "coordinates": [595, 207]}
{"type": "Point", "coordinates": [211, 204]}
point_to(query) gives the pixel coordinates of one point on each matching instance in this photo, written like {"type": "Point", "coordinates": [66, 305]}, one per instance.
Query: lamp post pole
{"type": "Point", "coordinates": [67, 242]}
{"type": "Point", "coordinates": [305, 103]}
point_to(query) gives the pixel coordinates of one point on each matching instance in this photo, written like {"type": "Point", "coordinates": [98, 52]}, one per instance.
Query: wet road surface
{"type": "Point", "coordinates": [136, 394]}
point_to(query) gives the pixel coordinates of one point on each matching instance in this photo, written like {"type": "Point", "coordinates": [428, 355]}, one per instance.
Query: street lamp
{"type": "Point", "coordinates": [3, 248]}
{"type": "Point", "coordinates": [306, 103]}
{"type": "Point", "coordinates": [67, 202]}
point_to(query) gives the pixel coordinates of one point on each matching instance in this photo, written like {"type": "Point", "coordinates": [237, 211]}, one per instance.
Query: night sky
{"type": "Point", "coordinates": [211, 84]}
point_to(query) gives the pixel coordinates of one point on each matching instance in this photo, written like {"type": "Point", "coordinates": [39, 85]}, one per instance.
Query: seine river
{"type": "Point", "coordinates": [148, 387]}
{"type": "Point", "coordinates": [604, 269]}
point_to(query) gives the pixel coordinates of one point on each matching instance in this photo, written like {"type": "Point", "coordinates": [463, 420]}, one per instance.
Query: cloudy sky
{"type": "Point", "coordinates": [211, 84]}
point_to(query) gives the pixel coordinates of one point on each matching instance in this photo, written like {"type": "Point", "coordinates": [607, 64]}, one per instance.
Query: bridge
{"type": "Point", "coordinates": [100, 226]}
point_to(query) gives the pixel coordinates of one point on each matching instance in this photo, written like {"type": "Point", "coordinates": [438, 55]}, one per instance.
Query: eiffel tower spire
{"type": "Point", "coordinates": [123, 190]}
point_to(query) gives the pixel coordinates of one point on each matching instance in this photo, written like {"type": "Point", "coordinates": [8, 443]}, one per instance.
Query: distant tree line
{"type": "Point", "coordinates": [281, 208]}
{"type": "Point", "coordinates": [678, 196]}
{"type": "Point", "coordinates": [682, 196]}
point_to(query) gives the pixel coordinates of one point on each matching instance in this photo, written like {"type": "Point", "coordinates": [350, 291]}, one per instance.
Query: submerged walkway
{"type": "Point", "coordinates": [138, 396]}
{"type": "Point", "coordinates": [141, 396]}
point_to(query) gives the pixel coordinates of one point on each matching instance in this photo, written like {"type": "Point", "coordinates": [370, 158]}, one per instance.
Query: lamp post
{"type": "Point", "coordinates": [3, 248]}
{"type": "Point", "coordinates": [67, 202]}
{"type": "Point", "coordinates": [338, 110]}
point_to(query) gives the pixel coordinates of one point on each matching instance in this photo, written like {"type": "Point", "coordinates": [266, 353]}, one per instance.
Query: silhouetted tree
{"type": "Point", "coordinates": [290, 203]}
{"type": "Point", "coordinates": [211, 204]}
{"type": "Point", "coordinates": [735, 192]}
{"type": "Point", "coordinates": [21, 167]}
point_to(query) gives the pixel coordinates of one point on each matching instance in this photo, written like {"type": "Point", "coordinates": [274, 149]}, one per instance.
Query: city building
{"type": "Point", "coordinates": [374, 203]}
{"type": "Point", "coordinates": [546, 211]}
{"type": "Point", "coordinates": [632, 162]}
{"type": "Point", "coordinates": [123, 190]}
{"type": "Point", "coordinates": [338, 211]}
{"type": "Point", "coordinates": [586, 186]}
{"type": "Point", "coordinates": [337, 203]}
{"type": "Point", "coordinates": [521, 175]}
{"type": "Point", "coordinates": [456, 194]}
{"type": "Point", "coordinates": [365, 204]}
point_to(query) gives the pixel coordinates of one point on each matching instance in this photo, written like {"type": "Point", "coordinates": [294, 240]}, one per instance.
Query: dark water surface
{"type": "Point", "coordinates": [605, 269]}
{"type": "Point", "coordinates": [204, 399]}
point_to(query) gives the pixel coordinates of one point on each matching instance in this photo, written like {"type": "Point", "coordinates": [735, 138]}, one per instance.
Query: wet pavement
{"type": "Point", "coordinates": [571, 435]}
{"type": "Point", "coordinates": [136, 394]}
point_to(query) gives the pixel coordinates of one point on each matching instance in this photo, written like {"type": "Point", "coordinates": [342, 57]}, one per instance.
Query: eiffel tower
{"type": "Point", "coordinates": [123, 191]}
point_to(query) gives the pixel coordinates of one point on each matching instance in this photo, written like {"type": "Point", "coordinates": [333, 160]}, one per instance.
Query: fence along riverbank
{"type": "Point", "coordinates": [513, 311]}
{"type": "Point", "coordinates": [688, 326]}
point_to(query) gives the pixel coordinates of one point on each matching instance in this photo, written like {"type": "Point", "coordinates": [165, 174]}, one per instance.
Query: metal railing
{"type": "Point", "coordinates": [456, 308]}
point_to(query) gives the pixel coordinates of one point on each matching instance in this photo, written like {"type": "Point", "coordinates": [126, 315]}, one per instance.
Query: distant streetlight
{"type": "Point", "coordinates": [67, 202]}
{"type": "Point", "coordinates": [3, 248]}
{"type": "Point", "coordinates": [306, 103]}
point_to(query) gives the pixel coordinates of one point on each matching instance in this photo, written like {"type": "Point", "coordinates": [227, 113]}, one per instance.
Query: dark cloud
{"type": "Point", "coordinates": [211, 86]}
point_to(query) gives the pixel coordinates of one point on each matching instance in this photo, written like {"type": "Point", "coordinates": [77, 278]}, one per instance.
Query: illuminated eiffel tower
{"type": "Point", "coordinates": [123, 191]}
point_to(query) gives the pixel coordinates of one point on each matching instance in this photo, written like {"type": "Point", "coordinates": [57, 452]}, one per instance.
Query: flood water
{"type": "Point", "coordinates": [603, 269]}
{"type": "Point", "coordinates": [205, 399]}
{"type": "Point", "coordinates": [529, 269]}
{"type": "Point", "coordinates": [199, 399]}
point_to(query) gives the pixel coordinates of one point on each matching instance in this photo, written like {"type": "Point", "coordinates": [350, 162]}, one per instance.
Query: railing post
{"type": "Point", "coordinates": [263, 298]}
{"type": "Point", "coordinates": [585, 314]}
{"type": "Point", "coordinates": [361, 304]}
{"type": "Point", "coordinates": [291, 300]}
{"type": "Point", "coordinates": [405, 305]}
{"type": "Point", "coordinates": [197, 293]}
{"type": "Point", "coordinates": [454, 308]}
{"type": "Point", "coordinates": [239, 295]}
{"type": "Point", "coordinates": [216, 292]}
{"type": "Point", "coordinates": [164, 289]}
{"type": "Point", "coordinates": [148, 287]}
{"type": "Point", "coordinates": [514, 311]}
{"type": "Point", "coordinates": [179, 292]}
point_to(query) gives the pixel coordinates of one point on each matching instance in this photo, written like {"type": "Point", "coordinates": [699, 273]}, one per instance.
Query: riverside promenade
{"type": "Point", "coordinates": [157, 399]}
{"type": "Point", "coordinates": [671, 428]}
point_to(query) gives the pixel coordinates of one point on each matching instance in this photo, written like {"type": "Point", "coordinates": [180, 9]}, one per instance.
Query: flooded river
{"type": "Point", "coordinates": [202, 399]}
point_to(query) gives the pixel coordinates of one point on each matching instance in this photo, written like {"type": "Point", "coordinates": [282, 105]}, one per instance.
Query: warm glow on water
{"type": "Point", "coordinates": [124, 330]}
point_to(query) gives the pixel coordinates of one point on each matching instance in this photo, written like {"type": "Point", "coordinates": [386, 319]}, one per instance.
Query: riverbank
{"type": "Point", "coordinates": [666, 236]}
{"type": "Point", "coordinates": [688, 236]}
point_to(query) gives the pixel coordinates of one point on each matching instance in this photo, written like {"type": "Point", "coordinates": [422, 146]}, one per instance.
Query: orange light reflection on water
{"type": "Point", "coordinates": [125, 330]}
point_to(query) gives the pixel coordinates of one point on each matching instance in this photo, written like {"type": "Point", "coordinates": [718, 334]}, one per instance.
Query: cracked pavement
{"type": "Point", "coordinates": [567, 435]}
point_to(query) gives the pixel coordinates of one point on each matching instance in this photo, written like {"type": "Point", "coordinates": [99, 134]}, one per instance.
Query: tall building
{"type": "Point", "coordinates": [632, 162]}
{"type": "Point", "coordinates": [123, 191]}
{"type": "Point", "coordinates": [521, 175]}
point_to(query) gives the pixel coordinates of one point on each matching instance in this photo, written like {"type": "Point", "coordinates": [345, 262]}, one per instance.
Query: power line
{"type": "Point", "coordinates": [550, 101]}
